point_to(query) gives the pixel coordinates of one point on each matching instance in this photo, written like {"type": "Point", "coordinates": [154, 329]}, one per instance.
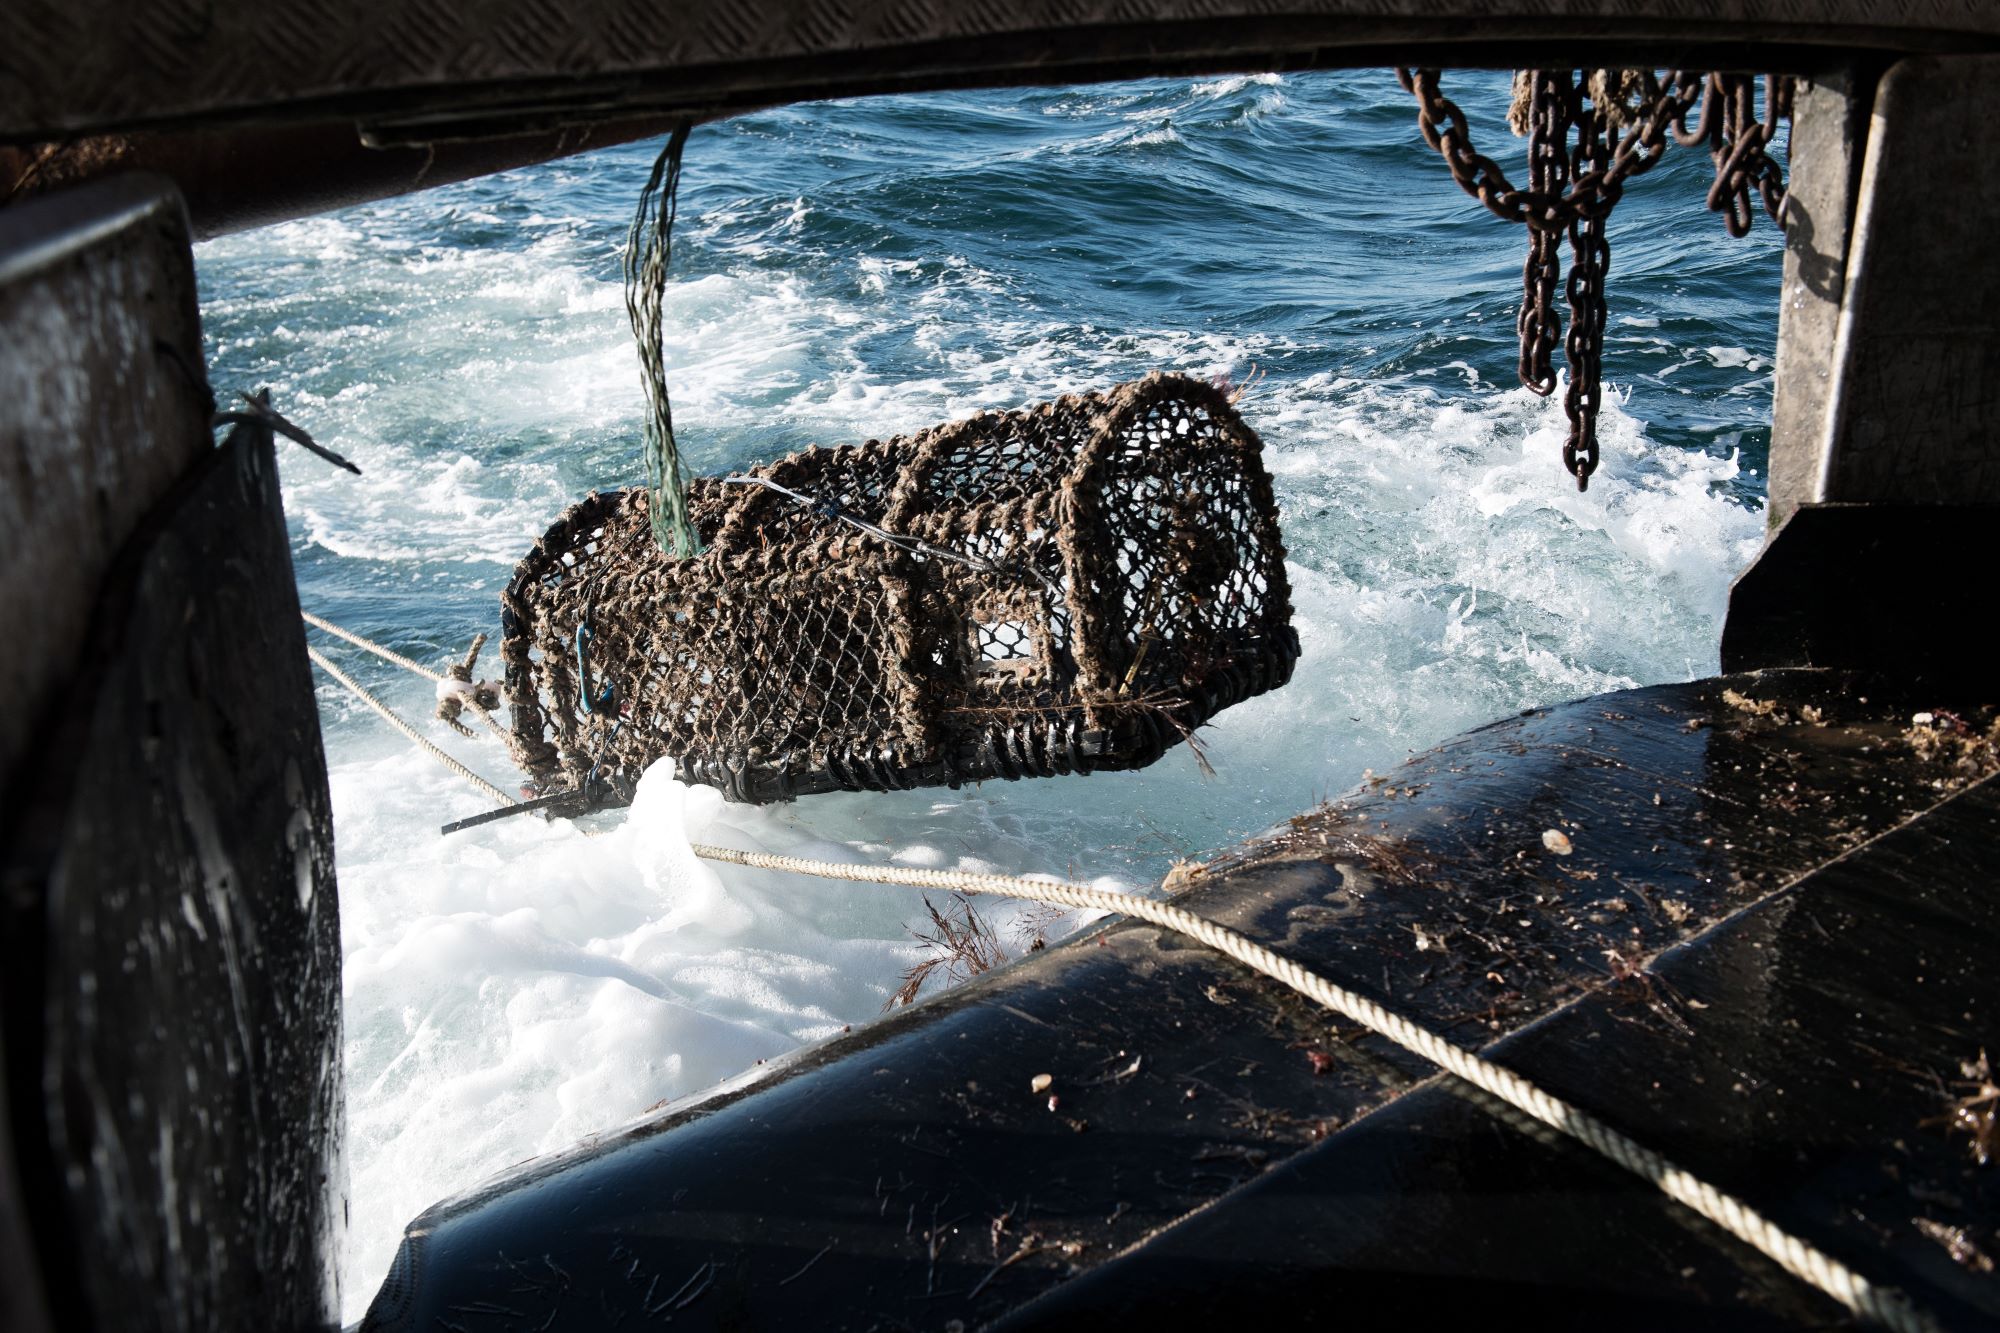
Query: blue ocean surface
{"type": "Point", "coordinates": [859, 268]}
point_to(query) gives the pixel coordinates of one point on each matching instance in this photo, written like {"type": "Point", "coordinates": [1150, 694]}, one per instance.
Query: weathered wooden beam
{"type": "Point", "coordinates": [1828, 137]}
{"type": "Point", "coordinates": [237, 178]}
{"type": "Point", "coordinates": [97, 316]}
{"type": "Point", "coordinates": [169, 941]}
{"type": "Point", "coordinates": [1885, 441]}
{"type": "Point", "coordinates": [103, 406]}
{"type": "Point", "coordinates": [172, 939]}
{"type": "Point", "coordinates": [1914, 413]}
{"type": "Point", "coordinates": [79, 67]}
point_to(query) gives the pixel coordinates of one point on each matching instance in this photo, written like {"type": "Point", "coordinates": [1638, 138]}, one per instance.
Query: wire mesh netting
{"type": "Point", "coordinates": [1070, 587]}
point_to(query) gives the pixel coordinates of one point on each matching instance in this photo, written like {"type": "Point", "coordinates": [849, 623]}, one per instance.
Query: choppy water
{"type": "Point", "coordinates": [858, 268]}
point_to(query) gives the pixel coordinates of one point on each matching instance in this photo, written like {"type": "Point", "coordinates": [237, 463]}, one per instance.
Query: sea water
{"type": "Point", "coordinates": [852, 269]}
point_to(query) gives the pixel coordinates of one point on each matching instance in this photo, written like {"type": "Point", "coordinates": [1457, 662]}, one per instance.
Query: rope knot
{"type": "Point", "coordinates": [457, 689]}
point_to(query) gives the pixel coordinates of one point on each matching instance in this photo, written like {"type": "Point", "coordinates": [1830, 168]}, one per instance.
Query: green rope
{"type": "Point", "coordinates": [649, 248]}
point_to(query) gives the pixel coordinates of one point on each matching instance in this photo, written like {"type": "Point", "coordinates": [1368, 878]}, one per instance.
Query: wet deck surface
{"type": "Point", "coordinates": [1761, 953]}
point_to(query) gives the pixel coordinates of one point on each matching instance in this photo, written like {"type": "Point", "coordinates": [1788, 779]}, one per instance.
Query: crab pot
{"type": "Point", "coordinates": [1074, 586]}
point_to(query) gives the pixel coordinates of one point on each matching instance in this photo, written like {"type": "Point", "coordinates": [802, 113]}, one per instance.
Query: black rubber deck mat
{"type": "Point", "coordinates": [907, 1175]}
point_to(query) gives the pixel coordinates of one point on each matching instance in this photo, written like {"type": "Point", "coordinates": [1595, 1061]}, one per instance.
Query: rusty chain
{"type": "Point", "coordinates": [1587, 137]}
{"type": "Point", "coordinates": [1737, 142]}
{"type": "Point", "coordinates": [1590, 262]}
{"type": "Point", "coordinates": [1548, 179]}
{"type": "Point", "coordinates": [1443, 126]}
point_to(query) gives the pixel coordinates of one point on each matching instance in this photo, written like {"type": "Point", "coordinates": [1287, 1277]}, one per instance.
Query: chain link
{"type": "Point", "coordinates": [1443, 126]}
{"type": "Point", "coordinates": [1583, 146]}
{"type": "Point", "coordinates": [1738, 143]}
{"type": "Point", "coordinates": [1590, 262]}
{"type": "Point", "coordinates": [1548, 176]}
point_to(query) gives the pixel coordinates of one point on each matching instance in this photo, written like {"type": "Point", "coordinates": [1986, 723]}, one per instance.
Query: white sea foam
{"type": "Point", "coordinates": [1235, 83]}
{"type": "Point", "coordinates": [1735, 357]}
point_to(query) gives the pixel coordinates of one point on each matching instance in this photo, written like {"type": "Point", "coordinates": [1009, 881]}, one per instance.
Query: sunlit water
{"type": "Point", "coordinates": [854, 269]}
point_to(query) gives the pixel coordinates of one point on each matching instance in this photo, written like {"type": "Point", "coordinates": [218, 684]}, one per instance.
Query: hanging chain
{"type": "Point", "coordinates": [1738, 142]}
{"type": "Point", "coordinates": [1590, 262]}
{"type": "Point", "coordinates": [649, 248]}
{"type": "Point", "coordinates": [1539, 326]}
{"type": "Point", "coordinates": [1586, 139]}
{"type": "Point", "coordinates": [1443, 126]}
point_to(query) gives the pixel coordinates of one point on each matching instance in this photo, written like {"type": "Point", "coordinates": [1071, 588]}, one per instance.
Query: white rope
{"type": "Point", "coordinates": [465, 697]}
{"type": "Point", "coordinates": [389, 715]}
{"type": "Point", "coordinates": [386, 654]}
{"type": "Point", "coordinates": [1882, 1305]}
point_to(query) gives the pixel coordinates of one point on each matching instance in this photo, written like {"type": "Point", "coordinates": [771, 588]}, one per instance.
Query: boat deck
{"type": "Point", "coordinates": [1765, 953]}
